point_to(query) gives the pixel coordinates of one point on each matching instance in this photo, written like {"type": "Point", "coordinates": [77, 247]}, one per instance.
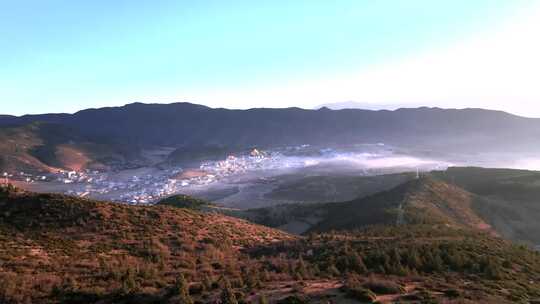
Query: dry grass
{"type": "Point", "coordinates": [55, 248]}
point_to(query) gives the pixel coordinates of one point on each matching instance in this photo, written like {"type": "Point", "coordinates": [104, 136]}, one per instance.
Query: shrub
{"type": "Point", "coordinates": [263, 299]}
{"type": "Point", "coordinates": [227, 294]}
{"type": "Point", "coordinates": [294, 299]}
{"type": "Point", "coordinates": [452, 293]}
{"type": "Point", "coordinates": [383, 287]}
{"type": "Point", "coordinates": [181, 289]}
{"type": "Point", "coordinates": [361, 294]}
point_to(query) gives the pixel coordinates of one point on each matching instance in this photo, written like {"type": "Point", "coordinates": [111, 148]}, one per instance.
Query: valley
{"type": "Point", "coordinates": [269, 152]}
{"type": "Point", "coordinates": [89, 215]}
{"type": "Point", "coordinates": [243, 179]}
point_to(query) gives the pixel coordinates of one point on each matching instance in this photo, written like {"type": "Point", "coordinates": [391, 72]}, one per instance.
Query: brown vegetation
{"type": "Point", "coordinates": [56, 248]}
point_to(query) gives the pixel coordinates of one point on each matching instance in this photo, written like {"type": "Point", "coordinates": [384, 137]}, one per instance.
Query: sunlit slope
{"type": "Point", "coordinates": [56, 248]}
{"type": "Point", "coordinates": [511, 198]}
{"type": "Point", "coordinates": [425, 200]}
{"type": "Point", "coordinates": [43, 147]}
{"type": "Point", "coordinates": [419, 201]}
{"type": "Point", "coordinates": [334, 187]}
{"type": "Point", "coordinates": [91, 250]}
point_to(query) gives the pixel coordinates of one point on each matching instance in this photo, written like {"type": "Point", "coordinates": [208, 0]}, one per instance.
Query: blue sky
{"type": "Point", "coordinates": [63, 56]}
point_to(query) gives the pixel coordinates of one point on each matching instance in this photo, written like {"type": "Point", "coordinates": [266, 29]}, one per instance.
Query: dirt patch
{"type": "Point", "coordinates": [190, 173]}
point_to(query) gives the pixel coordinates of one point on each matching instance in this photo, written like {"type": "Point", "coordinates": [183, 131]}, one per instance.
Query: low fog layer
{"type": "Point", "coordinates": [248, 179]}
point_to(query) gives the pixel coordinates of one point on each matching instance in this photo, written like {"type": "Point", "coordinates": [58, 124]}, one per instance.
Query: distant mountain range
{"type": "Point", "coordinates": [365, 106]}
{"type": "Point", "coordinates": [138, 125]}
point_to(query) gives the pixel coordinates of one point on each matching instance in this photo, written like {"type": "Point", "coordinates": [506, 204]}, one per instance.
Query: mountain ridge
{"type": "Point", "coordinates": [425, 200]}
{"type": "Point", "coordinates": [145, 124]}
{"type": "Point", "coordinates": [128, 130]}
{"type": "Point", "coordinates": [60, 115]}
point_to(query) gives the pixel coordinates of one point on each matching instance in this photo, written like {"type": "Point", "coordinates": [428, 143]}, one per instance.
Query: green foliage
{"type": "Point", "coordinates": [130, 254]}
{"type": "Point", "coordinates": [184, 201]}
{"type": "Point", "coordinates": [507, 198]}
{"type": "Point", "coordinates": [207, 283]}
{"type": "Point", "coordinates": [181, 289]}
{"type": "Point", "coordinates": [383, 286]}
{"type": "Point", "coordinates": [263, 299]}
{"type": "Point", "coordinates": [227, 294]}
{"type": "Point", "coordinates": [129, 283]}
{"type": "Point", "coordinates": [361, 294]}
{"type": "Point", "coordinates": [294, 299]}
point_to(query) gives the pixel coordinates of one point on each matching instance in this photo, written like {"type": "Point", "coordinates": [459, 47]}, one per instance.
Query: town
{"type": "Point", "coordinates": [150, 187]}
{"type": "Point", "coordinates": [149, 184]}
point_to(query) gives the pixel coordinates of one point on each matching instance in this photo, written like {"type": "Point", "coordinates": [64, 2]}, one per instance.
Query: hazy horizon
{"type": "Point", "coordinates": [62, 57]}
{"type": "Point", "coordinates": [332, 106]}
{"type": "Point", "coordinates": [272, 152]}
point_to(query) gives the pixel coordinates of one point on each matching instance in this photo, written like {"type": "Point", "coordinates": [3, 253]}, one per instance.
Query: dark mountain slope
{"type": "Point", "coordinates": [511, 198]}
{"type": "Point", "coordinates": [185, 201]}
{"type": "Point", "coordinates": [417, 201]}
{"type": "Point", "coordinates": [12, 121]}
{"type": "Point", "coordinates": [506, 200]}
{"type": "Point", "coordinates": [195, 125]}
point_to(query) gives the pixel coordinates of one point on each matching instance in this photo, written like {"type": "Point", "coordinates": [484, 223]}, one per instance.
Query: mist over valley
{"type": "Point", "coordinates": [270, 152]}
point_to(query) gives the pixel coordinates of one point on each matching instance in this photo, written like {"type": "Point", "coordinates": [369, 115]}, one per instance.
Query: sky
{"type": "Point", "coordinates": [64, 55]}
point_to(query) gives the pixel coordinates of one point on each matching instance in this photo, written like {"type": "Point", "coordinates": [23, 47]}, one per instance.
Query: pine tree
{"type": "Point", "coordinates": [255, 279]}
{"type": "Point", "coordinates": [129, 284]}
{"type": "Point", "coordinates": [248, 278]}
{"type": "Point", "coordinates": [413, 260]}
{"type": "Point", "coordinates": [265, 276]}
{"type": "Point", "coordinates": [395, 257]}
{"type": "Point", "coordinates": [181, 288]}
{"type": "Point", "coordinates": [357, 263]}
{"type": "Point", "coordinates": [263, 299]}
{"type": "Point", "coordinates": [352, 281]}
{"type": "Point", "coordinates": [400, 270]}
{"type": "Point", "coordinates": [333, 271]}
{"type": "Point", "coordinates": [438, 263]}
{"type": "Point", "coordinates": [492, 269]}
{"type": "Point", "coordinates": [207, 282]}
{"type": "Point", "coordinates": [227, 294]}
{"type": "Point", "coordinates": [301, 268]}
{"type": "Point", "coordinates": [316, 270]}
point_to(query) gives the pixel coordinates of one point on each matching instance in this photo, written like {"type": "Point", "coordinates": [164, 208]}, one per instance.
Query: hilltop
{"type": "Point", "coordinates": [185, 201]}
{"type": "Point", "coordinates": [108, 249]}
{"type": "Point", "coordinates": [56, 248]}
{"type": "Point", "coordinates": [509, 198]}
{"type": "Point", "coordinates": [504, 199]}
{"type": "Point", "coordinates": [47, 147]}
{"type": "Point", "coordinates": [418, 201]}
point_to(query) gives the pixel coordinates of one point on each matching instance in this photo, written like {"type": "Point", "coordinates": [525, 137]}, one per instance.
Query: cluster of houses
{"type": "Point", "coordinates": [62, 176]}
{"type": "Point", "coordinates": [255, 160]}
{"type": "Point", "coordinates": [85, 176]}
{"type": "Point", "coordinates": [151, 187]}
{"type": "Point", "coordinates": [148, 189]}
